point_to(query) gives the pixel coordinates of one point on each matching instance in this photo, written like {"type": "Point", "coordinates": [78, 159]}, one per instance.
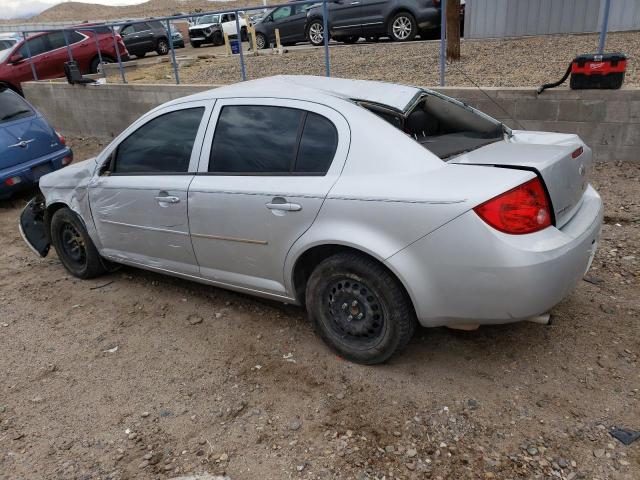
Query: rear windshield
{"type": "Point", "coordinates": [12, 106]}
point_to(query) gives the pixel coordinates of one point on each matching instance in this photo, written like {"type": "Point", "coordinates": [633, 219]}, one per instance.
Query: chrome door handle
{"type": "Point", "coordinates": [287, 207]}
{"type": "Point", "coordinates": [354, 3]}
{"type": "Point", "coordinates": [168, 199]}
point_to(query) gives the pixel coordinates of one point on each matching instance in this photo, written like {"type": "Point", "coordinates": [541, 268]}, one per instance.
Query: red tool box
{"type": "Point", "coordinates": [598, 71]}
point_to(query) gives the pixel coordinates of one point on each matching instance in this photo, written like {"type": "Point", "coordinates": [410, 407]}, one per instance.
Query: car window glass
{"type": "Point", "coordinates": [163, 144]}
{"type": "Point", "coordinates": [128, 30]}
{"type": "Point", "coordinates": [282, 12]}
{"type": "Point", "coordinates": [56, 40]}
{"type": "Point", "coordinates": [140, 27]}
{"type": "Point", "coordinates": [255, 139]}
{"type": "Point", "coordinates": [317, 145]}
{"type": "Point", "coordinates": [12, 106]}
{"type": "Point", "coordinates": [74, 37]}
{"type": "Point", "coordinates": [37, 46]}
{"type": "Point", "coordinates": [4, 44]}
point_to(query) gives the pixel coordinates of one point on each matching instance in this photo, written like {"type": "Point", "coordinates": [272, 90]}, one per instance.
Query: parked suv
{"type": "Point", "coordinates": [211, 29]}
{"type": "Point", "coordinates": [401, 20]}
{"type": "Point", "coordinates": [49, 53]}
{"type": "Point", "coordinates": [143, 37]}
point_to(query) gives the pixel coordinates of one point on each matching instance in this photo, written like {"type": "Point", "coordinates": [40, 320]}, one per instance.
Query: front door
{"type": "Point", "coordinates": [372, 13]}
{"type": "Point", "coordinates": [262, 179]}
{"type": "Point", "coordinates": [344, 18]}
{"type": "Point", "coordinates": [139, 201]}
{"type": "Point", "coordinates": [290, 20]}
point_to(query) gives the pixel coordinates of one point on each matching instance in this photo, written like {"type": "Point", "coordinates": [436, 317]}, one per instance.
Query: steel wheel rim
{"type": "Point", "coordinates": [164, 48]}
{"type": "Point", "coordinates": [261, 41]}
{"type": "Point", "coordinates": [316, 33]}
{"type": "Point", "coordinates": [402, 28]}
{"type": "Point", "coordinates": [73, 245]}
{"type": "Point", "coordinates": [353, 312]}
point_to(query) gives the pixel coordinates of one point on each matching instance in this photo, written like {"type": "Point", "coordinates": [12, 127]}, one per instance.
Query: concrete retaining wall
{"type": "Point", "coordinates": [607, 120]}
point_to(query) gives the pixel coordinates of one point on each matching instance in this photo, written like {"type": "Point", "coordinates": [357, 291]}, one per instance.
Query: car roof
{"type": "Point", "coordinates": [308, 87]}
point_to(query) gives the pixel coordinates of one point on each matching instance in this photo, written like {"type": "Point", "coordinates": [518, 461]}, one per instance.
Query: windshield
{"type": "Point", "coordinates": [6, 43]}
{"type": "Point", "coordinates": [12, 106]}
{"type": "Point", "coordinates": [208, 19]}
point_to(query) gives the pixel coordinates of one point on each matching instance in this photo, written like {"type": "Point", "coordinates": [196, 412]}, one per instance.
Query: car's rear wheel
{"type": "Point", "coordinates": [359, 308]}
{"type": "Point", "coordinates": [402, 27]}
{"type": "Point", "coordinates": [162, 47]}
{"type": "Point", "coordinates": [195, 44]}
{"type": "Point", "coordinates": [75, 249]}
{"type": "Point", "coordinates": [95, 63]}
{"type": "Point", "coordinates": [140, 55]}
{"type": "Point", "coordinates": [315, 33]}
{"type": "Point", "coordinates": [261, 41]}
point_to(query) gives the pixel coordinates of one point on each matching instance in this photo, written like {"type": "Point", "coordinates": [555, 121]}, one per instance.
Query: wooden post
{"type": "Point", "coordinates": [253, 40]}
{"type": "Point", "coordinates": [278, 44]}
{"type": "Point", "coordinates": [453, 29]}
{"type": "Point", "coordinates": [227, 45]}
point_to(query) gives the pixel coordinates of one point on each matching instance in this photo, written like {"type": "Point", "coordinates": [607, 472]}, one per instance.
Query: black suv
{"type": "Point", "coordinates": [401, 20]}
{"type": "Point", "coordinates": [144, 37]}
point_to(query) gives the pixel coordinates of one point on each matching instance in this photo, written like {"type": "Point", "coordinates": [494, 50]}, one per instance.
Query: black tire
{"type": "Point", "coordinates": [315, 33]}
{"type": "Point", "coordinates": [244, 35]}
{"type": "Point", "coordinates": [195, 44]}
{"type": "Point", "coordinates": [96, 62]}
{"type": "Point", "coordinates": [261, 41]}
{"type": "Point", "coordinates": [402, 27]}
{"type": "Point", "coordinates": [217, 38]}
{"type": "Point", "coordinates": [140, 55]}
{"type": "Point", "coordinates": [75, 249]}
{"type": "Point", "coordinates": [379, 323]}
{"type": "Point", "coordinates": [162, 47]}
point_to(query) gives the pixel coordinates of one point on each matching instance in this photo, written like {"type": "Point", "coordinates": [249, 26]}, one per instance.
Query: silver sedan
{"type": "Point", "coordinates": [378, 206]}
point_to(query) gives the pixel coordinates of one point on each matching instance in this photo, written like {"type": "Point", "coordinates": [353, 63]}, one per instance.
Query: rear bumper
{"type": "Point", "coordinates": [428, 18]}
{"type": "Point", "coordinates": [29, 173]}
{"type": "Point", "coordinates": [468, 273]}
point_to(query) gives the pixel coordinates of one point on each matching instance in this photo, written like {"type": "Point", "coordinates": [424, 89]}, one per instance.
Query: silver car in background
{"type": "Point", "coordinates": [378, 206]}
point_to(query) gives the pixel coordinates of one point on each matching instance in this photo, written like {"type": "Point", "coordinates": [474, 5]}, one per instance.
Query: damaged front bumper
{"type": "Point", "coordinates": [33, 226]}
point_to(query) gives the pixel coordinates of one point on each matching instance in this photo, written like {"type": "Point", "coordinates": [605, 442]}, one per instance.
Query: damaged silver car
{"type": "Point", "coordinates": [378, 206]}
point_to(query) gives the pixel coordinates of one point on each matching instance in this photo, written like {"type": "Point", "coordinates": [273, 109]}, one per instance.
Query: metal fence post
{"type": "Point", "coordinates": [115, 44]}
{"type": "Point", "coordinates": [605, 26]}
{"type": "Point", "coordinates": [443, 31]}
{"type": "Point", "coordinates": [325, 28]}
{"type": "Point", "coordinates": [239, 38]}
{"type": "Point", "coordinates": [173, 53]}
{"type": "Point", "coordinates": [33, 67]}
{"type": "Point", "coordinates": [66, 42]}
{"type": "Point", "coordinates": [95, 36]}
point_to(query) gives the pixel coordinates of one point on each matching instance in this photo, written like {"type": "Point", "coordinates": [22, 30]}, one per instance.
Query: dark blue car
{"type": "Point", "coordinates": [29, 146]}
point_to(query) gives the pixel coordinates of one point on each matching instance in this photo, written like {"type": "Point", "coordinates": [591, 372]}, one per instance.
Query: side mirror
{"type": "Point", "coordinates": [16, 58]}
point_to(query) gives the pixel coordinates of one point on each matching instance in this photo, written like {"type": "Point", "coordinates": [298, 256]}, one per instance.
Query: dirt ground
{"type": "Point", "coordinates": [512, 62]}
{"type": "Point", "coordinates": [138, 375]}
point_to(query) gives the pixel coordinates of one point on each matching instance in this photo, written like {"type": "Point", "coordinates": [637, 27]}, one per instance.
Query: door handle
{"type": "Point", "coordinates": [168, 199]}
{"type": "Point", "coordinates": [354, 3]}
{"type": "Point", "coordinates": [286, 207]}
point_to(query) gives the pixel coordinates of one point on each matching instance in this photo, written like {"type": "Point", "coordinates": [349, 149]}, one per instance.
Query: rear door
{"type": "Point", "coordinates": [265, 170]}
{"type": "Point", "coordinates": [372, 15]}
{"type": "Point", "coordinates": [228, 22]}
{"type": "Point", "coordinates": [144, 36]}
{"type": "Point", "coordinates": [139, 201]}
{"type": "Point", "coordinates": [290, 20]}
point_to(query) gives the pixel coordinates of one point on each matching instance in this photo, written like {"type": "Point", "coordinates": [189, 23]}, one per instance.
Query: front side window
{"type": "Point", "coordinates": [282, 12]}
{"type": "Point", "coordinates": [128, 30]}
{"type": "Point", "coordinates": [37, 46]}
{"type": "Point", "coordinates": [259, 140]}
{"type": "Point", "coordinates": [162, 145]}
{"type": "Point", "coordinates": [12, 106]}
{"type": "Point", "coordinates": [141, 27]}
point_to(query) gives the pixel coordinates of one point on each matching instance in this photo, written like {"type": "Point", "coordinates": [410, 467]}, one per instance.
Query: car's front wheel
{"type": "Point", "coordinates": [75, 249]}
{"type": "Point", "coordinates": [95, 63]}
{"type": "Point", "coordinates": [162, 47]}
{"type": "Point", "coordinates": [402, 27]}
{"type": "Point", "coordinates": [195, 44]}
{"type": "Point", "coordinates": [359, 308]}
{"type": "Point", "coordinates": [315, 33]}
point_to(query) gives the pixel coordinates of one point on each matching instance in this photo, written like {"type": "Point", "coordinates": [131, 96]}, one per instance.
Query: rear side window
{"type": "Point", "coordinates": [263, 140]}
{"type": "Point", "coordinates": [162, 145]}
{"type": "Point", "coordinates": [141, 27]}
{"type": "Point", "coordinates": [12, 106]}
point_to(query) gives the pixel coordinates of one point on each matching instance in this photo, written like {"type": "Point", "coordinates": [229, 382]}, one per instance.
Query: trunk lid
{"type": "Point", "coordinates": [550, 156]}
{"type": "Point", "coordinates": [26, 139]}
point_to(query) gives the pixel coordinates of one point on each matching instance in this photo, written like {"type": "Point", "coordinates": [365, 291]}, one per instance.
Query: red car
{"type": "Point", "coordinates": [49, 54]}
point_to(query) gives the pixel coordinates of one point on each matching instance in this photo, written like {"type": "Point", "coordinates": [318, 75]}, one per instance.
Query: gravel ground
{"type": "Point", "coordinates": [138, 375]}
{"type": "Point", "coordinates": [523, 62]}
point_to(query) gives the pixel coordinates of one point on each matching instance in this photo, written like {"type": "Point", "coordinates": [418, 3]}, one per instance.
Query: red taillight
{"type": "Point", "coordinates": [67, 160]}
{"type": "Point", "coordinates": [524, 209]}
{"type": "Point", "coordinates": [10, 182]}
{"type": "Point", "coordinates": [577, 152]}
{"type": "Point", "coordinates": [63, 140]}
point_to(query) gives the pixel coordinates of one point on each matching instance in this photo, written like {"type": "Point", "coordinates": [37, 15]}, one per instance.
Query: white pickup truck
{"type": "Point", "coordinates": [211, 28]}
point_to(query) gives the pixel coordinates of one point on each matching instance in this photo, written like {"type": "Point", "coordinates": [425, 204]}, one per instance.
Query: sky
{"type": "Point", "coordinates": [27, 8]}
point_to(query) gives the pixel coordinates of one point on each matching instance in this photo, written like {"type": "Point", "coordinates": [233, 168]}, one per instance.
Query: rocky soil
{"type": "Point", "coordinates": [522, 62]}
{"type": "Point", "coordinates": [138, 375]}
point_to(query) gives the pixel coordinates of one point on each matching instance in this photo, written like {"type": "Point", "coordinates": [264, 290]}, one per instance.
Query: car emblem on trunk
{"type": "Point", "coordinates": [581, 170]}
{"type": "Point", "coordinates": [22, 143]}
